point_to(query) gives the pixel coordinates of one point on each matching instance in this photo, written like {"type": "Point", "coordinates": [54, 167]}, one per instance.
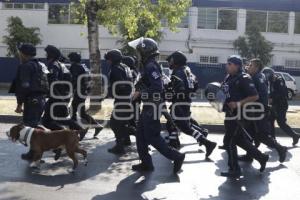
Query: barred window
{"type": "Point", "coordinates": [209, 59]}
{"type": "Point", "coordinates": [292, 63]}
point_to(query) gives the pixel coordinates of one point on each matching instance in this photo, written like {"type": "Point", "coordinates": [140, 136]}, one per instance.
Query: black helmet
{"type": "Point", "coordinates": [269, 73]}
{"type": "Point", "coordinates": [146, 47]}
{"type": "Point", "coordinates": [27, 49]}
{"type": "Point", "coordinates": [235, 59]}
{"type": "Point", "coordinates": [74, 57]}
{"type": "Point", "coordinates": [178, 58]}
{"type": "Point", "coordinates": [129, 61]}
{"type": "Point", "coordinates": [52, 52]}
{"type": "Point", "coordinates": [115, 55]}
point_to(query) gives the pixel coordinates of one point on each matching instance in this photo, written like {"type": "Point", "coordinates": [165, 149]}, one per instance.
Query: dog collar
{"type": "Point", "coordinates": [25, 136]}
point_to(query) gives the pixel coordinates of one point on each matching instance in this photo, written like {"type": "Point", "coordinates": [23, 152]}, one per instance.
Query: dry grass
{"type": "Point", "coordinates": [204, 115]}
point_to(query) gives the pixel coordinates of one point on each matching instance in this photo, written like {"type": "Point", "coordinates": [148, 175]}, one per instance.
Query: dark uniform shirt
{"type": "Point", "coordinates": [23, 87]}
{"type": "Point", "coordinates": [80, 71]}
{"type": "Point", "coordinates": [261, 86]}
{"type": "Point", "coordinates": [278, 91]}
{"type": "Point", "coordinates": [237, 88]}
{"type": "Point", "coordinates": [181, 83]}
{"type": "Point", "coordinates": [120, 72]}
{"type": "Point", "coordinates": [57, 72]}
{"type": "Point", "coordinates": [151, 77]}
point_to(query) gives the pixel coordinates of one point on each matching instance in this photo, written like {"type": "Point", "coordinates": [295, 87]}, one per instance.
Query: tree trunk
{"type": "Point", "coordinates": [94, 53]}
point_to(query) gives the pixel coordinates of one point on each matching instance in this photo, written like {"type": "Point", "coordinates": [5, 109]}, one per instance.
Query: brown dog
{"type": "Point", "coordinates": [40, 141]}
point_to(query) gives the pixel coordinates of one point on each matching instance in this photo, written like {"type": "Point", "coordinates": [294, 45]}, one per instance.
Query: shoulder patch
{"type": "Point", "coordinates": [155, 75]}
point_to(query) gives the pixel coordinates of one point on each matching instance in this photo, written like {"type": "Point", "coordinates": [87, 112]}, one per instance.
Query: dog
{"type": "Point", "coordinates": [39, 141]}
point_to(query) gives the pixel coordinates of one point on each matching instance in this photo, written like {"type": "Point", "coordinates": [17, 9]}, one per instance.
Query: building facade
{"type": "Point", "coordinates": [206, 34]}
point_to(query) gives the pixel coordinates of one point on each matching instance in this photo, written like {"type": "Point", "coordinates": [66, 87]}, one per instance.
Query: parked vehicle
{"type": "Point", "coordinates": [290, 83]}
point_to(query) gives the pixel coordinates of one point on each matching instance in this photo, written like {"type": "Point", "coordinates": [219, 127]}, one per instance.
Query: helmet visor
{"type": "Point", "coordinates": [136, 42]}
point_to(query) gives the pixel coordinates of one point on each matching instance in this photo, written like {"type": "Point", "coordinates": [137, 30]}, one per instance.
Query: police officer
{"type": "Point", "coordinates": [151, 90]}
{"type": "Point", "coordinates": [120, 79]}
{"type": "Point", "coordinates": [57, 104]}
{"type": "Point", "coordinates": [183, 85]}
{"type": "Point", "coordinates": [80, 75]}
{"type": "Point", "coordinates": [240, 90]}
{"type": "Point", "coordinates": [279, 102]}
{"type": "Point", "coordinates": [261, 128]}
{"type": "Point", "coordinates": [30, 87]}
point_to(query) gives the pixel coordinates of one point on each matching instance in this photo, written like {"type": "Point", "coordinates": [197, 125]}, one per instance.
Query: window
{"type": "Point", "coordinates": [297, 23]}
{"type": "Point", "coordinates": [58, 14]}
{"type": "Point", "coordinates": [8, 5]}
{"type": "Point", "coordinates": [18, 6]}
{"type": "Point", "coordinates": [207, 18]}
{"type": "Point", "coordinates": [209, 59]}
{"type": "Point", "coordinates": [65, 14]}
{"type": "Point", "coordinates": [268, 21]}
{"type": "Point", "coordinates": [278, 22]}
{"type": "Point", "coordinates": [287, 77]}
{"type": "Point", "coordinates": [292, 63]}
{"type": "Point", "coordinates": [227, 19]}
{"type": "Point", "coordinates": [214, 18]}
{"type": "Point", "coordinates": [29, 6]}
{"type": "Point", "coordinates": [256, 18]}
{"type": "Point", "coordinates": [23, 6]}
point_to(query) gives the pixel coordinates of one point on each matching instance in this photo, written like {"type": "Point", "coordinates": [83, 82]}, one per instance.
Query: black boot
{"type": "Point", "coordinates": [27, 156]}
{"type": "Point", "coordinates": [127, 141]}
{"type": "Point", "coordinates": [178, 164]}
{"type": "Point", "coordinates": [210, 146]}
{"type": "Point", "coordinates": [263, 162]}
{"type": "Point", "coordinates": [296, 140]}
{"type": "Point", "coordinates": [245, 158]}
{"type": "Point", "coordinates": [82, 134]}
{"type": "Point", "coordinates": [117, 149]}
{"type": "Point", "coordinates": [57, 153]}
{"type": "Point", "coordinates": [97, 131]}
{"type": "Point", "coordinates": [232, 173]}
{"type": "Point", "coordinates": [175, 143]}
{"type": "Point", "coordinates": [282, 153]}
{"type": "Point", "coordinates": [142, 168]}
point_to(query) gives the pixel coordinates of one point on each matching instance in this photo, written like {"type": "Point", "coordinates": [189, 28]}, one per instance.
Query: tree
{"type": "Point", "coordinates": [254, 45]}
{"type": "Point", "coordinates": [131, 19]}
{"type": "Point", "coordinates": [18, 34]}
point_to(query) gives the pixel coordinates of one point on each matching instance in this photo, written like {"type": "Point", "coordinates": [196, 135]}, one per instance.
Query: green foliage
{"type": "Point", "coordinates": [17, 34]}
{"type": "Point", "coordinates": [136, 18]}
{"type": "Point", "coordinates": [254, 45]}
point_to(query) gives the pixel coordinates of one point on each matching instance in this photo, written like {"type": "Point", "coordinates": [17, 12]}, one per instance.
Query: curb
{"type": "Point", "coordinates": [216, 128]}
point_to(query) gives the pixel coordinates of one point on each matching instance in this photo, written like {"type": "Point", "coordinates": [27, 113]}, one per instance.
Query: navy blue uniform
{"type": "Point", "coordinates": [237, 88]}
{"type": "Point", "coordinates": [149, 126]}
{"type": "Point", "coordinates": [261, 129]}
{"type": "Point", "coordinates": [278, 94]}
{"type": "Point", "coordinates": [122, 95]}
{"type": "Point", "coordinates": [29, 94]}
{"type": "Point", "coordinates": [78, 103]}
{"type": "Point", "coordinates": [182, 85]}
{"type": "Point", "coordinates": [57, 71]}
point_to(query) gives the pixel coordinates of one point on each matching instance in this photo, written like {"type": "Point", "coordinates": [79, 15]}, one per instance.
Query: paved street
{"type": "Point", "coordinates": [108, 177]}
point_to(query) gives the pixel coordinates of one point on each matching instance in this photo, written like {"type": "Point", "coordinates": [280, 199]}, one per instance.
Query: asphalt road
{"type": "Point", "coordinates": [108, 177]}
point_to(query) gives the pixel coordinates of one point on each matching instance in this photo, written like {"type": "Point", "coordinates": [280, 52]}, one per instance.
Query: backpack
{"type": "Point", "coordinates": [64, 75]}
{"type": "Point", "coordinates": [39, 81]}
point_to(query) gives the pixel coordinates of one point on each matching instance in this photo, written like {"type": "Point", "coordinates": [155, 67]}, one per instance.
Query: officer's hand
{"type": "Point", "coordinates": [233, 105]}
{"type": "Point", "coordinates": [19, 109]}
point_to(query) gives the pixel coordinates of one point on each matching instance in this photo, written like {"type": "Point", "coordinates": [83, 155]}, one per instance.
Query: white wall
{"type": "Point", "coordinates": [202, 42]}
